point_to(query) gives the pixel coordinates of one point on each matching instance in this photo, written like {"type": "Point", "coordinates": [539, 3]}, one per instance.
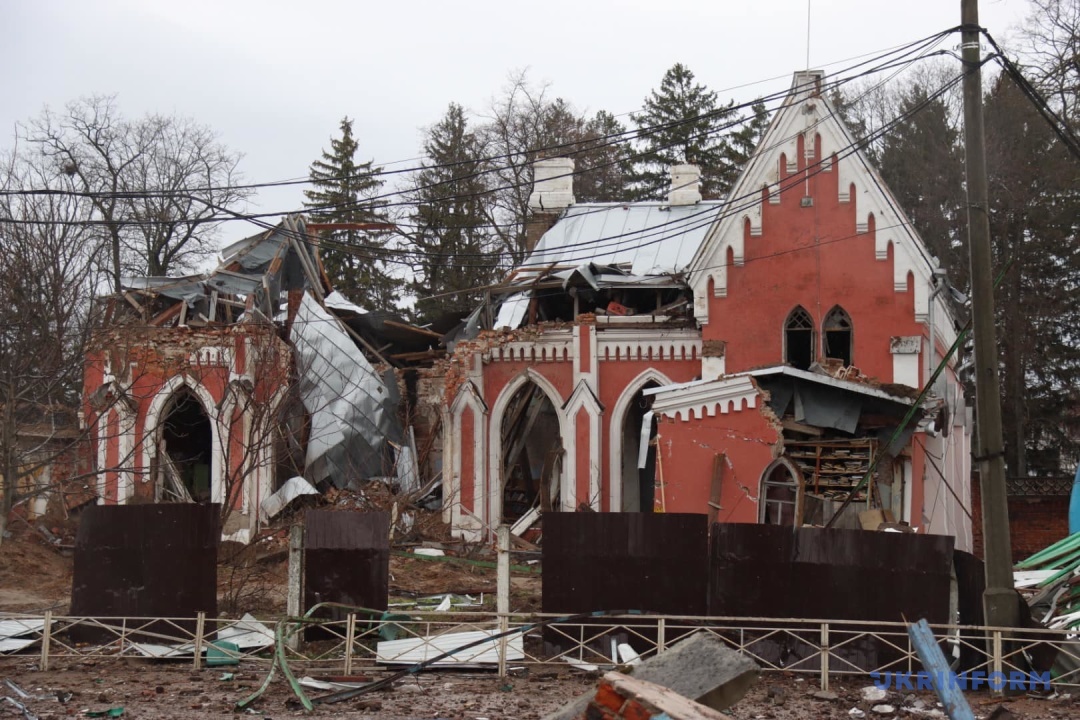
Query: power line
{"type": "Point", "coordinates": [592, 143]}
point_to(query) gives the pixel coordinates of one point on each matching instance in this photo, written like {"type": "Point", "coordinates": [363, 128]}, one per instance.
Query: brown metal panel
{"type": "Point", "coordinates": [656, 562]}
{"type": "Point", "coordinates": [346, 560]}
{"type": "Point", "coordinates": [145, 561]}
{"type": "Point", "coordinates": [780, 572]}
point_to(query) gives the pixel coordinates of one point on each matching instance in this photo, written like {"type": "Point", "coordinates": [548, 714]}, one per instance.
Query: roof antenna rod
{"type": "Point", "coordinates": [807, 34]}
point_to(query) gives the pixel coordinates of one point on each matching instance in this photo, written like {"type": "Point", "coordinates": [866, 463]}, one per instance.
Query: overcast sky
{"type": "Point", "coordinates": [274, 78]}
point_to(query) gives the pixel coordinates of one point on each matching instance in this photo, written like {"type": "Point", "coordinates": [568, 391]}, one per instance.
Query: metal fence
{"type": "Point", "coordinates": [817, 649]}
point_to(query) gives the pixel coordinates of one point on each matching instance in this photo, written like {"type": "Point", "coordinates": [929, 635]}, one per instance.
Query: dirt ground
{"type": "Point", "coordinates": [35, 577]}
{"type": "Point", "coordinates": [148, 689]}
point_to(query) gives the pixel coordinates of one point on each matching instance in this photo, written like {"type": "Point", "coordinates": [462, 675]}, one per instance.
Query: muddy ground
{"type": "Point", "coordinates": [148, 689]}
{"type": "Point", "coordinates": [35, 577]}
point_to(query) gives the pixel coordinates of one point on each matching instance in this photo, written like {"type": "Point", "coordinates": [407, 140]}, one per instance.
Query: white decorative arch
{"type": "Point", "coordinates": [495, 451]}
{"type": "Point", "coordinates": [583, 398]}
{"type": "Point", "coordinates": [151, 436]}
{"type": "Point", "coordinates": [471, 525]}
{"type": "Point", "coordinates": [797, 478]}
{"type": "Point", "coordinates": [615, 440]}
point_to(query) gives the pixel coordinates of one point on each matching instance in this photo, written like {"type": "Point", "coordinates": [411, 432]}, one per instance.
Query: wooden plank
{"type": "Point", "coordinates": [166, 315]}
{"type": "Point", "coordinates": [803, 428]}
{"type": "Point", "coordinates": [412, 328]}
{"type": "Point", "coordinates": [719, 465]}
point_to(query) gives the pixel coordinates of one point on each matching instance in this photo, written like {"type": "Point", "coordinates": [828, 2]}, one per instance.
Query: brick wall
{"type": "Point", "coordinates": [1035, 521]}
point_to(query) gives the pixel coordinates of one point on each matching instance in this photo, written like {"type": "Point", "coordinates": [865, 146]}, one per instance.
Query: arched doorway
{"type": "Point", "coordinates": [185, 450]}
{"type": "Point", "coordinates": [638, 483]}
{"type": "Point", "coordinates": [532, 450]}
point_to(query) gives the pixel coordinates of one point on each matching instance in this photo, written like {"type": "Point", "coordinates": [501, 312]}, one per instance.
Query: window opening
{"type": "Point", "coordinates": [799, 339]}
{"type": "Point", "coordinates": [838, 337]}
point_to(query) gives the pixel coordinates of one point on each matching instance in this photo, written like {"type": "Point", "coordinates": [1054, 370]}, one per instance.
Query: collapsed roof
{"type": "Point", "coordinates": [277, 276]}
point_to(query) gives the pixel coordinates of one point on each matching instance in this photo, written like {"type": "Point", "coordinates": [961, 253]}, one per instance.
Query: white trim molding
{"type": "Point", "coordinates": [495, 450]}
{"type": "Point", "coordinates": [583, 397]}
{"type": "Point", "coordinates": [152, 427]}
{"type": "Point", "coordinates": [615, 432]}
{"type": "Point", "coordinates": [549, 346]}
{"type": "Point", "coordinates": [698, 399]}
{"type": "Point", "coordinates": [636, 344]}
{"type": "Point", "coordinates": [470, 525]}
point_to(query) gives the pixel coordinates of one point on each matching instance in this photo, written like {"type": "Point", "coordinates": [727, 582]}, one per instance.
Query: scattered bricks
{"type": "Point", "coordinates": [607, 697]}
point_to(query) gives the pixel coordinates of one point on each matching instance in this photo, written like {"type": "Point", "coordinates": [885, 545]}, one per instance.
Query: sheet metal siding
{"type": "Point", "coordinates": [145, 561]}
{"type": "Point", "coordinates": [609, 561]}
{"type": "Point", "coordinates": [346, 560]}
{"type": "Point", "coordinates": [970, 585]}
{"type": "Point", "coordinates": [772, 571]}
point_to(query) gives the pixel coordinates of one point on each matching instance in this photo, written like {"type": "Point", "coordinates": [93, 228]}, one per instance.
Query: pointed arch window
{"type": "Point", "coordinates": [799, 339]}
{"type": "Point", "coordinates": [838, 335]}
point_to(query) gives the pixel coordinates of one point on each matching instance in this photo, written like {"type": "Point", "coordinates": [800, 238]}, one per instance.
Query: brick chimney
{"type": "Point", "coordinates": [553, 192]}
{"type": "Point", "coordinates": [685, 186]}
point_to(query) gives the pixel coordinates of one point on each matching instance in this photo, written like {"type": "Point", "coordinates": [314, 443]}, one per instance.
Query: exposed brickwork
{"type": "Point", "coordinates": [1035, 522]}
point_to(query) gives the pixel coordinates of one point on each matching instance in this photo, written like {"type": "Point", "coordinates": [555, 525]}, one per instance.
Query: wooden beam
{"type": "Point", "coordinates": [718, 468]}
{"type": "Point", "coordinates": [412, 328]}
{"type": "Point", "coordinates": [799, 427]}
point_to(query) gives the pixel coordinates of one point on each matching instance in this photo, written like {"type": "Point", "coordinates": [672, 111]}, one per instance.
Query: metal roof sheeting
{"type": "Point", "coordinates": [652, 238]}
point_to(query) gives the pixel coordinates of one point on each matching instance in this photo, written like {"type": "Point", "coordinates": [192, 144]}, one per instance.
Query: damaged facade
{"type": "Point", "coordinates": [255, 378]}
{"type": "Point", "coordinates": [749, 359]}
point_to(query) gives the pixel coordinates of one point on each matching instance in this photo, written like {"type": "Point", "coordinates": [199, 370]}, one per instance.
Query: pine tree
{"type": "Point", "coordinates": [603, 166]}
{"type": "Point", "coordinates": [451, 242]}
{"type": "Point", "coordinates": [921, 163]}
{"type": "Point", "coordinates": [683, 123]}
{"type": "Point", "coordinates": [355, 260]}
{"type": "Point", "coordinates": [1034, 214]}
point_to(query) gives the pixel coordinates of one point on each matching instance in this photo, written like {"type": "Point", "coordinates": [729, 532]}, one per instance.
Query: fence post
{"type": "Point", "coordinates": [46, 636]}
{"type": "Point", "coordinates": [294, 600]}
{"type": "Point", "coordinates": [825, 656]}
{"type": "Point", "coordinates": [661, 635]}
{"type": "Point", "coordinates": [350, 634]}
{"type": "Point", "coordinates": [200, 624]}
{"type": "Point", "coordinates": [503, 588]}
{"type": "Point", "coordinates": [996, 643]}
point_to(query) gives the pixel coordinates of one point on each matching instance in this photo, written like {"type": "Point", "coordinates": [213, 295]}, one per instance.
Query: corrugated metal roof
{"type": "Point", "coordinates": [651, 238]}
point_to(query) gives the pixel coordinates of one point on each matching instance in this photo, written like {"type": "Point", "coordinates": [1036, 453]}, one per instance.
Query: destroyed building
{"type": "Point", "coordinates": [255, 378]}
{"type": "Point", "coordinates": [749, 358]}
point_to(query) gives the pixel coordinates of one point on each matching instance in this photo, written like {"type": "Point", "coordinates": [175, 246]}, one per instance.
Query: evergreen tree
{"type": "Point", "coordinates": [355, 260]}
{"type": "Point", "coordinates": [1034, 213]}
{"type": "Point", "coordinates": [451, 235]}
{"type": "Point", "coordinates": [682, 122]}
{"type": "Point", "coordinates": [921, 162]}
{"type": "Point", "coordinates": [603, 167]}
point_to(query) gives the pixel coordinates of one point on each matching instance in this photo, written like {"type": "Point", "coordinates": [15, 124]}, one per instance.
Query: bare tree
{"type": "Point", "coordinates": [520, 124]}
{"type": "Point", "coordinates": [1049, 45]}
{"type": "Point", "coordinates": [47, 279]}
{"type": "Point", "coordinates": [159, 185]}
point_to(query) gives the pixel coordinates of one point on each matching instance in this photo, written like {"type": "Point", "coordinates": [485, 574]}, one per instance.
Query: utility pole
{"type": "Point", "coordinates": [1000, 601]}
